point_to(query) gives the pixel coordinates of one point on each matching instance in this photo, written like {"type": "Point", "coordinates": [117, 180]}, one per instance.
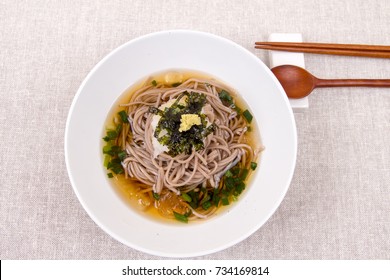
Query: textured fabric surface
{"type": "Point", "coordinates": [338, 204]}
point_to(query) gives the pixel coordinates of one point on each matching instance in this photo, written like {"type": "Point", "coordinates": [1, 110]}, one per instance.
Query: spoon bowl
{"type": "Point", "coordinates": [299, 83]}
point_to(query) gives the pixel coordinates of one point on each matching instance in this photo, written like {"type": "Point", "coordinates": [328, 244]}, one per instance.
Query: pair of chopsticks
{"type": "Point", "coordinates": [325, 48]}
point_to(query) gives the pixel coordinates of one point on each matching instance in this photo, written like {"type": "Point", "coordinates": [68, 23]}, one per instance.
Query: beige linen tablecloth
{"type": "Point", "coordinates": [338, 205]}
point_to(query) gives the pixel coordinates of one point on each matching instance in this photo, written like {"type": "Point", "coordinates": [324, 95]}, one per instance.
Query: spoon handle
{"type": "Point", "coordinates": [352, 83]}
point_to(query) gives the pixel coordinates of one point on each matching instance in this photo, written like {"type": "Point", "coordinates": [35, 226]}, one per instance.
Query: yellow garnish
{"type": "Point", "coordinates": [188, 120]}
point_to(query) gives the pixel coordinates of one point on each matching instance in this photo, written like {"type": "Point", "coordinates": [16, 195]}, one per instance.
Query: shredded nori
{"type": "Point", "coordinates": [184, 141]}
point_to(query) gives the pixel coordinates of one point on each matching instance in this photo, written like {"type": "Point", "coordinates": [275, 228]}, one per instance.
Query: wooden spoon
{"type": "Point", "coordinates": [298, 83]}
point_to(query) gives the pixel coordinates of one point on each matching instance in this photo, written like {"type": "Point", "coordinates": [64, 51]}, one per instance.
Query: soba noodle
{"type": "Point", "coordinates": [167, 177]}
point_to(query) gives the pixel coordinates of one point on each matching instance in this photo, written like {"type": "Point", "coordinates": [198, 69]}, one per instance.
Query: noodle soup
{"type": "Point", "coordinates": [180, 145]}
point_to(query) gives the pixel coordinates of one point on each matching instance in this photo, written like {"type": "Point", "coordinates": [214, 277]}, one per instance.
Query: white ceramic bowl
{"type": "Point", "coordinates": [180, 49]}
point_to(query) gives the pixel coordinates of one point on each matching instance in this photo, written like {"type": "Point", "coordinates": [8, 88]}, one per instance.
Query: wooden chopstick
{"type": "Point", "coordinates": [378, 51]}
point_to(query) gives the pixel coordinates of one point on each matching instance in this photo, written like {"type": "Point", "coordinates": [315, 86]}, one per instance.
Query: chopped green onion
{"type": "Point", "coordinates": [225, 96]}
{"type": "Point", "coordinates": [154, 83]}
{"type": "Point", "coordinates": [228, 173]}
{"type": "Point", "coordinates": [180, 217]}
{"type": "Point", "coordinates": [253, 165]}
{"type": "Point", "coordinates": [206, 205]}
{"type": "Point", "coordinates": [156, 196]}
{"type": "Point", "coordinates": [122, 155]}
{"type": "Point", "coordinates": [112, 134]}
{"type": "Point", "coordinates": [115, 161]}
{"type": "Point", "coordinates": [107, 159]}
{"type": "Point", "coordinates": [248, 116]}
{"type": "Point", "coordinates": [107, 149]}
{"type": "Point", "coordinates": [239, 188]}
{"type": "Point", "coordinates": [235, 170]}
{"type": "Point", "coordinates": [111, 150]}
{"type": "Point", "coordinates": [186, 197]}
{"type": "Point", "coordinates": [117, 169]}
{"type": "Point", "coordinates": [216, 200]}
{"type": "Point", "coordinates": [123, 116]}
{"type": "Point", "coordinates": [229, 183]}
{"type": "Point", "coordinates": [110, 175]}
{"type": "Point", "coordinates": [194, 199]}
{"type": "Point", "coordinates": [225, 201]}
